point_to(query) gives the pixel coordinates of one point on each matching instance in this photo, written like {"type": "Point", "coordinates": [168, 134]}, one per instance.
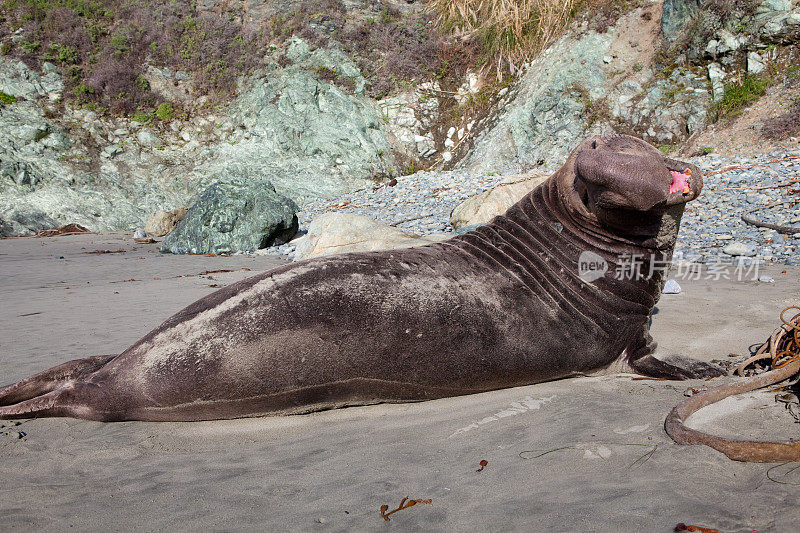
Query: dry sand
{"type": "Point", "coordinates": [613, 468]}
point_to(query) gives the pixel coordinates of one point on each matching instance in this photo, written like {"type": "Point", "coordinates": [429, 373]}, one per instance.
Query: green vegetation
{"type": "Point", "coordinates": [707, 149]}
{"type": "Point", "coordinates": [165, 111]}
{"type": "Point", "coordinates": [6, 99]}
{"type": "Point", "coordinates": [141, 117]}
{"type": "Point", "coordinates": [66, 55]}
{"type": "Point", "coordinates": [142, 84]}
{"type": "Point", "coordinates": [30, 47]}
{"type": "Point", "coordinates": [120, 45]}
{"type": "Point", "coordinates": [91, 106]}
{"type": "Point", "coordinates": [326, 73]}
{"type": "Point", "coordinates": [738, 95]}
{"type": "Point", "coordinates": [665, 148]}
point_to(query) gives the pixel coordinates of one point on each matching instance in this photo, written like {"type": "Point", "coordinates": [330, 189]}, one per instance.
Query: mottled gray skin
{"type": "Point", "coordinates": [497, 307]}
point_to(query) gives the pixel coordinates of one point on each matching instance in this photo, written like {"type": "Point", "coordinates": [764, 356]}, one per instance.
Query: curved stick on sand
{"type": "Point", "coordinates": [738, 450]}
{"type": "Point", "coordinates": [761, 224]}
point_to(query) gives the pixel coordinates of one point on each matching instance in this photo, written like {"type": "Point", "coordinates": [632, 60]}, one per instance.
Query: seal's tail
{"type": "Point", "coordinates": [37, 395]}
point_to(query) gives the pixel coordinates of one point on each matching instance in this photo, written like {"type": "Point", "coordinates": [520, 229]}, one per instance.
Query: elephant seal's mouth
{"type": "Point", "coordinates": [680, 181]}
{"type": "Point", "coordinates": [687, 181]}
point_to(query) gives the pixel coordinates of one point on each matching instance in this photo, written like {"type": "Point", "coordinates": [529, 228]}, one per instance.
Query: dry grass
{"type": "Point", "coordinates": [510, 32]}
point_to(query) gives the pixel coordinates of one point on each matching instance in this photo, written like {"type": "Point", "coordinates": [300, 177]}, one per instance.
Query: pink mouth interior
{"type": "Point", "coordinates": [680, 182]}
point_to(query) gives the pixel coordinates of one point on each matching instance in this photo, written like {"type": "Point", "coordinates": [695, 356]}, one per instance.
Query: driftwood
{"type": "Point", "coordinates": [783, 348]}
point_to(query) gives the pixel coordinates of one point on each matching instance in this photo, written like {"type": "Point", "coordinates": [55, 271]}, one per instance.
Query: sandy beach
{"type": "Point", "coordinates": [582, 454]}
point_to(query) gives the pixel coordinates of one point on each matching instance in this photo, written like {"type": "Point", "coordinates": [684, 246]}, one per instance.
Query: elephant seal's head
{"type": "Point", "coordinates": [628, 188]}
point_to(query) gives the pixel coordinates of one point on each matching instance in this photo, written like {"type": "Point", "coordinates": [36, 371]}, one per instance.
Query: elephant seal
{"type": "Point", "coordinates": [501, 306]}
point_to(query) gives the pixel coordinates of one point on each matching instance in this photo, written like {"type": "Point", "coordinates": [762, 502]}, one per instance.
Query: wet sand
{"type": "Point", "coordinates": [610, 466]}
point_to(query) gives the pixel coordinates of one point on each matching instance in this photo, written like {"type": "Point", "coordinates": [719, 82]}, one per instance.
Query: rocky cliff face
{"type": "Point", "coordinates": [305, 135]}
{"type": "Point", "coordinates": [305, 121]}
{"type": "Point", "coordinates": [649, 75]}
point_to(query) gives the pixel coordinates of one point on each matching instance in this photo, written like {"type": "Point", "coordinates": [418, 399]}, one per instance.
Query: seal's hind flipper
{"type": "Point", "coordinates": [644, 361]}
{"type": "Point", "coordinates": [676, 367]}
{"type": "Point", "coordinates": [77, 399]}
{"type": "Point", "coordinates": [45, 405]}
{"type": "Point", "coordinates": [49, 380]}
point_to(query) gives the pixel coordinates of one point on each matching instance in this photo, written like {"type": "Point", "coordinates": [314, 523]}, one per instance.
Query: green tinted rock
{"type": "Point", "coordinates": [235, 216]}
{"type": "Point", "coordinates": [675, 15]}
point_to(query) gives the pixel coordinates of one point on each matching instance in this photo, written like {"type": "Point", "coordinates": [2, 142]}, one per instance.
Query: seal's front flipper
{"type": "Point", "coordinates": [675, 367]}
{"type": "Point", "coordinates": [49, 380]}
{"type": "Point", "coordinates": [644, 361]}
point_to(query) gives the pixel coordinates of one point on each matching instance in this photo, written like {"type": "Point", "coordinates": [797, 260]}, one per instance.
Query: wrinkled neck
{"type": "Point", "coordinates": [636, 266]}
{"type": "Point", "coordinates": [540, 244]}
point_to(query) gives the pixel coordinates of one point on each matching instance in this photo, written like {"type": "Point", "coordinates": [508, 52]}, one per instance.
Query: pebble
{"type": "Point", "coordinates": [671, 287]}
{"type": "Point", "coordinates": [739, 248]}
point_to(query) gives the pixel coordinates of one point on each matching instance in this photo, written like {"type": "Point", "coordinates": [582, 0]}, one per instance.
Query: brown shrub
{"type": "Point", "coordinates": [510, 32]}
{"type": "Point", "coordinates": [391, 52]}
{"type": "Point", "coordinates": [105, 45]}
{"type": "Point", "coordinates": [785, 125]}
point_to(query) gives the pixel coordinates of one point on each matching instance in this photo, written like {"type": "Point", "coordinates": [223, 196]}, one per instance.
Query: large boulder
{"type": "Point", "coordinates": [163, 222]}
{"type": "Point", "coordinates": [234, 216]}
{"type": "Point", "coordinates": [544, 119]}
{"type": "Point", "coordinates": [484, 207]}
{"type": "Point", "coordinates": [336, 233]}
